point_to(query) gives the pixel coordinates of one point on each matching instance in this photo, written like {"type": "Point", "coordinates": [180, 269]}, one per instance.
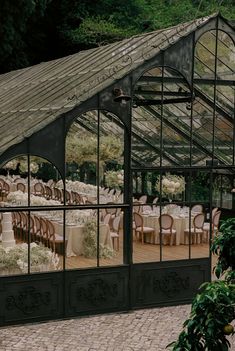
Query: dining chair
{"type": "Point", "coordinates": [44, 232]}
{"type": "Point", "coordinates": [214, 225]}
{"type": "Point", "coordinates": [166, 222]}
{"type": "Point", "coordinates": [197, 230]}
{"type": "Point", "coordinates": [24, 227]}
{"type": "Point", "coordinates": [37, 228]}
{"type": "Point", "coordinates": [21, 186]}
{"type": "Point", "coordinates": [155, 200]}
{"type": "Point", "coordinates": [137, 207]}
{"type": "Point", "coordinates": [55, 241]}
{"type": "Point", "coordinates": [18, 227]}
{"type": "Point", "coordinates": [206, 225]}
{"type": "Point", "coordinates": [38, 189]}
{"type": "Point", "coordinates": [107, 218]}
{"type": "Point", "coordinates": [197, 208]}
{"type": "Point", "coordinates": [143, 199]}
{"type": "Point", "coordinates": [111, 192]}
{"type": "Point", "coordinates": [48, 192]}
{"type": "Point", "coordinates": [57, 194]}
{"type": "Point", "coordinates": [114, 233]}
{"type": "Point", "coordinates": [5, 190]}
{"type": "Point", "coordinates": [140, 229]}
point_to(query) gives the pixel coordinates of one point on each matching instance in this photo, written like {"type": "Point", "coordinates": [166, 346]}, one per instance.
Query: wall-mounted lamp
{"type": "Point", "coordinates": [120, 96]}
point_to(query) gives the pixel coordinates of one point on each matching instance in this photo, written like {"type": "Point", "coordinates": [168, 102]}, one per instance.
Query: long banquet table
{"type": "Point", "coordinates": [75, 235]}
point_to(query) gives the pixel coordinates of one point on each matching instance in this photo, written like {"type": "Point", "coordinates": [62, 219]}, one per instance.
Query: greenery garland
{"type": "Point", "coordinates": [90, 241]}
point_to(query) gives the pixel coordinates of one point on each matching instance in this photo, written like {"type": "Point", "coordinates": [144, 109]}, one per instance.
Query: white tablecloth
{"type": "Point", "coordinates": [75, 235]}
{"type": "Point", "coordinates": [180, 224]}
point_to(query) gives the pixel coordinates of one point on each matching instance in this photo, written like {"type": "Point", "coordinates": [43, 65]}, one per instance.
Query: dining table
{"type": "Point", "coordinates": [74, 233]}
{"type": "Point", "coordinates": [181, 222]}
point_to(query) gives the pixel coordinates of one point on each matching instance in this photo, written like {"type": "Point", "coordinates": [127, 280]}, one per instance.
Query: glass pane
{"type": "Point", "coordinates": [111, 159]}
{"type": "Point", "coordinates": [14, 183]}
{"type": "Point", "coordinates": [111, 234]}
{"type": "Point", "coordinates": [14, 244]}
{"type": "Point", "coordinates": [81, 159]}
{"type": "Point", "coordinates": [46, 186]}
{"type": "Point", "coordinates": [46, 237]}
{"type": "Point", "coordinates": [204, 65]}
{"type": "Point", "coordinates": [200, 185]}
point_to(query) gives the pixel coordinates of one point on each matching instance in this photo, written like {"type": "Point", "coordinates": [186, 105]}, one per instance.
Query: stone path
{"type": "Point", "coordinates": [149, 329]}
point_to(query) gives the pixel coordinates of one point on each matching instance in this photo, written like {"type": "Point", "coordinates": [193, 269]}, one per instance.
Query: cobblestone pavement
{"type": "Point", "coordinates": [149, 329]}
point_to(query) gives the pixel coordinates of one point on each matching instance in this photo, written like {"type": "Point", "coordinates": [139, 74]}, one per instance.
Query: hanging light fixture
{"type": "Point", "coordinates": [119, 96]}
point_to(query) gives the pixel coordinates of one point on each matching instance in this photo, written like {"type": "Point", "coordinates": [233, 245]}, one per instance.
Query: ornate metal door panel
{"type": "Point", "coordinates": [92, 291]}
{"type": "Point", "coordinates": [168, 283]}
{"type": "Point", "coordinates": [31, 298]}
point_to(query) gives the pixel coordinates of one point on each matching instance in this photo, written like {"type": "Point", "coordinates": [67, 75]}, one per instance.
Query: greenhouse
{"type": "Point", "coordinates": [117, 166]}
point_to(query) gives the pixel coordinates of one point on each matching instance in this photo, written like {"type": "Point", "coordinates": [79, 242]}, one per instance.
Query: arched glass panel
{"type": "Point", "coordinates": [94, 176]}
{"type": "Point", "coordinates": [28, 240]}
{"type": "Point", "coordinates": [213, 108]}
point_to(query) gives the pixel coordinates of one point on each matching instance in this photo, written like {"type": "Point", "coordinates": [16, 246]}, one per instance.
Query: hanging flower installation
{"type": "Point", "coordinates": [114, 179]}
{"type": "Point", "coordinates": [81, 149]}
{"type": "Point", "coordinates": [24, 167]}
{"type": "Point", "coordinates": [10, 165]}
{"type": "Point", "coordinates": [171, 184]}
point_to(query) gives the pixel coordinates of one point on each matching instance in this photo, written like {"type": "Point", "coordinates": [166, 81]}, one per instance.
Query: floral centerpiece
{"type": "Point", "coordinates": [15, 259]}
{"type": "Point", "coordinates": [90, 241]}
{"type": "Point", "coordinates": [114, 179]}
{"type": "Point", "coordinates": [171, 185]}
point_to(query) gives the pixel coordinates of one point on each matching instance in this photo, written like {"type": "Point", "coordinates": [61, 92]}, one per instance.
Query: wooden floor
{"type": "Point", "coordinates": [142, 253]}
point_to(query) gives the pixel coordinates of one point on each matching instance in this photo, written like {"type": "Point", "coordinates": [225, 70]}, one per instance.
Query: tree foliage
{"type": "Point", "coordinates": [32, 31]}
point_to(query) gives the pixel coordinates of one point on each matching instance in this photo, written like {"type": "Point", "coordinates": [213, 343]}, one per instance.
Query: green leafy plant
{"type": "Point", "coordinates": [223, 245]}
{"type": "Point", "coordinates": [213, 307]}
{"type": "Point", "coordinates": [209, 323]}
{"type": "Point", "coordinates": [90, 241]}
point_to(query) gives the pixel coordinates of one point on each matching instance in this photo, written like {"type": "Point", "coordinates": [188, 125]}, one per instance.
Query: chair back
{"type": "Point", "coordinates": [136, 206]}
{"type": "Point", "coordinates": [51, 234]}
{"type": "Point", "coordinates": [116, 224]}
{"type": "Point", "coordinates": [107, 218]}
{"type": "Point", "coordinates": [155, 200]}
{"type": "Point", "coordinates": [197, 208]}
{"type": "Point", "coordinates": [44, 230]}
{"type": "Point", "coordinates": [166, 221]}
{"type": "Point", "coordinates": [216, 219]}
{"type": "Point", "coordinates": [213, 212]}
{"type": "Point", "coordinates": [38, 188]}
{"type": "Point", "coordinates": [37, 224]}
{"type": "Point", "coordinates": [138, 219]}
{"type": "Point", "coordinates": [143, 199]}
{"type": "Point", "coordinates": [48, 192]}
{"type": "Point", "coordinates": [24, 221]}
{"type": "Point", "coordinates": [21, 187]}
{"type": "Point", "coordinates": [198, 221]}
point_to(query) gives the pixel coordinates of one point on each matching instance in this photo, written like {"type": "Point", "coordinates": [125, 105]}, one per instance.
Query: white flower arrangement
{"type": "Point", "coordinates": [15, 258]}
{"type": "Point", "coordinates": [10, 165]}
{"type": "Point", "coordinates": [20, 198]}
{"type": "Point", "coordinates": [79, 187]}
{"type": "Point", "coordinates": [90, 241]}
{"type": "Point", "coordinates": [24, 167]}
{"type": "Point", "coordinates": [171, 184]}
{"type": "Point", "coordinates": [114, 179]}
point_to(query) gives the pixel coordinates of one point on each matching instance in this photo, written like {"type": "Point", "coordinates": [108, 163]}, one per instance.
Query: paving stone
{"type": "Point", "coordinates": [142, 330]}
